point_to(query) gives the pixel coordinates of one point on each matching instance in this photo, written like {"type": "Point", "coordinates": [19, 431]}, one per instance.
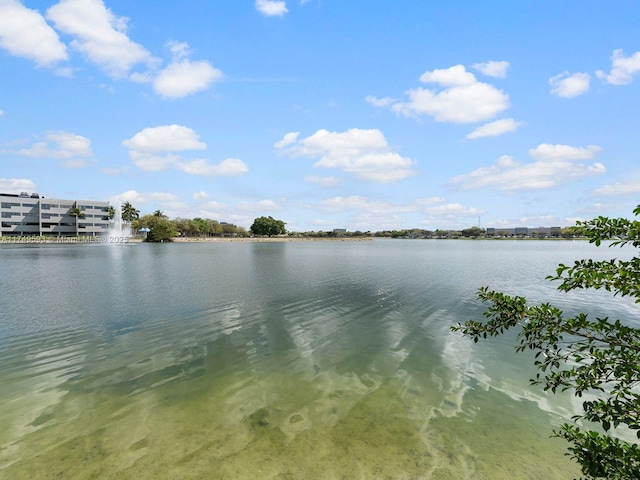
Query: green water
{"type": "Point", "coordinates": [285, 360]}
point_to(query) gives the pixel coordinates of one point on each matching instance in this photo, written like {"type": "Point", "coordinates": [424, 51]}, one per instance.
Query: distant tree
{"type": "Point", "coordinates": [596, 358]}
{"type": "Point", "coordinates": [268, 226]}
{"type": "Point", "coordinates": [111, 212]}
{"type": "Point", "coordinates": [159, 214]}
{"type": "Point", "coordinates": [129, 213]}
{"type": "Point", "coordinates": [162, 230]}
{"type": "Point", "coordinates": [473, 232]}
{"type": "Point", "coordinates": [200, 226]}
{"type": "Point", "coordinates": [76, 213]}
{"type": "Point", "coordinates": [570, 232]}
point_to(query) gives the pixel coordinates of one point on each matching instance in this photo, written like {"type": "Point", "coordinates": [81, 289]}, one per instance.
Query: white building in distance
{"type": "Point", "coordinates": [32, 215]}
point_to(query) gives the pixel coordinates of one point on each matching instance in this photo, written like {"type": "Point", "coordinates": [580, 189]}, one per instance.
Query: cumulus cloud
{"type": "Point", "coordinates": [16, 185]}
{"type": "Point", "coordinates": [289, 139]}
{"type": "Point", "coordinates": [552, 165]}
{"type": "Point", "coordinates": [25, 33]}
{"type": "Point", "coordinates": [623, 68]}
{"type": "Point", "coordinates": [158, 148]}
{"type": "Point", "coordinates": [630, 187]}
{"type": "Point", "coordinates": [364, 153]}
{"type": "Point", "coordinates": [171, 138]}
{"type": "Point", "coordinates": [102, 38]}
{"type": "Point", "coordinates": [271, 8]}
{"type": "Point", "coordinates": [99, 35]}
{"type": "Point", "coordinates": [570, 85]}
{"type": "Point", "coordinates": [144, 198]}
{"type": "Point", "coordinates": [461, 98]}
{"type": "Point", "coordinates": [494, 129]}
{"type": "Point", "coordinates": [182, 78]}
{"type": "Point", "coordinates": [73, 150]}
{"type": "Point", "coordinates": [493, 69]}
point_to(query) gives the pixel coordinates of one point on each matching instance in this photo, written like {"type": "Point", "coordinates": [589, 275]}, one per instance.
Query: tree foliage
{"type": "Point", "coordinates": [596, 358]}
{"type": "Point", "coordinates": [129, 213]}
{"type": "Point", "coordinates": [160, 228]}
{"type": "Point", "coordinates": [268, 226]}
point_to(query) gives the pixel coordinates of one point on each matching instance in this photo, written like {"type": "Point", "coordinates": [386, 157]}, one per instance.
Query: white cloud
{"type": "Point", "coordinates": [228, 167]}
{"type": "Point", "coordinates": [430, 201]}
{"type": "Point", "coordinates": [271, 8]}
{"type": "Point", "coordinates": [25, 33]}
{"type": "Point", "coordinates": [74, 150]}
{"type": "Point", "coordinates": [165, 138]}
{"type": "Point", "coordinates": [153, 149]}
{"type": "Point", "coordinates": [185, 77]}
{"type": "Point", "coordinates": [259, 206]}
{"type": "Point", "coordinates": [1, 112]}
{"type": "Point", "coordinates": [494, 129]}
{"type": "Point", "coordinates": [179, 50]}
{"type": "Point", "coordinates": [288, 139]}
{"type": "Point", "coordinates": [380, 102]}
{"type": "Point", "coordinates": [552, 165]}
{"type": "Point", "coordinates": [492, 69]}
{"type": "Point", "coordinates": [364, 153]}
{"type": "Point", "coordinates": [463, 99]}
{"type": "Point", "coordinates": [452, 210]}
{"type": "Point", "coordinates": [323, 181]}
{"type": "Point", "coordinates": [554, 153]}
{"type": "Point", "coordinates": [150, 162]}
{"type": "Point", "coordinates": [570, 85]}
{"type": "Point", "coordinates": [16, 185]}
{"type": "Point", "coordinates": [356, 202]}
{"type": "Point", "coordinates": [112, 172]}
{"type": "Point", "coordinates": [367, 213]}
{"type": "Point", "coordinates": [143, 198]}
{"type": "Point", "coordinates": [201, 195]}
{"type": "Point", "coordinates": [456, 76]}
{"type": "Point", "coordinates": [630, 187]}
{"type": "Point", "coordinates": [622, 68]}
{"type": "Point", "coordinates": [99, 35]}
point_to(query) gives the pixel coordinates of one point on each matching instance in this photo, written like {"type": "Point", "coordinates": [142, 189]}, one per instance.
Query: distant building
{"type": "Point", "coordinates": [25, 215]}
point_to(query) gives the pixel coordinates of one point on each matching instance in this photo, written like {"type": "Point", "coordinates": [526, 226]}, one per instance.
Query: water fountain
{"type": "Point", "coordinates": [119, 230]}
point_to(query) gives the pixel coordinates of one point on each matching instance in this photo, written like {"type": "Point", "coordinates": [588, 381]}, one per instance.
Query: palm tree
{"type": "Point", "coordinates": [77, 213]}
{"type": "Point", "coordinates": [159, 214]}
{"type": "Point", "coordinates": [129, 213]}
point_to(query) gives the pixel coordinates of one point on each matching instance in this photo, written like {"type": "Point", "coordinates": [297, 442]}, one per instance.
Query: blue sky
{"type": "Point", "coordinates": [365, 115]}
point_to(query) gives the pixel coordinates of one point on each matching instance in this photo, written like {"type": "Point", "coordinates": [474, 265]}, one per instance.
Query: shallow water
{"type": "Point", "coordinates": [274, 360]}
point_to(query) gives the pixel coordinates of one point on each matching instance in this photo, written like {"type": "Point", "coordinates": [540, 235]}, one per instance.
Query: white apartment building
{"type": "Point", "coordinates": [32, 215]}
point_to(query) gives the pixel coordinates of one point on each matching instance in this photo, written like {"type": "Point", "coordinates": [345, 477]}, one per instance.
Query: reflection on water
{"type": "Point", "coordinates": [271, 360]}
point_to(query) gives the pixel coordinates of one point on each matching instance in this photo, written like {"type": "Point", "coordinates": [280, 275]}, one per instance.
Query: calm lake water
{"type": "Point", "coordinates": [276, 360]}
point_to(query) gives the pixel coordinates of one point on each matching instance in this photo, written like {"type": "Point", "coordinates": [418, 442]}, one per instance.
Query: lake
{"type": "Point", "coordinates": [277, 360]}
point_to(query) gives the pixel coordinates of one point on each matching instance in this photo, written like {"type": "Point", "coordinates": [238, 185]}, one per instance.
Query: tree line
{"type": "Point", "coordinates": [159, 228]}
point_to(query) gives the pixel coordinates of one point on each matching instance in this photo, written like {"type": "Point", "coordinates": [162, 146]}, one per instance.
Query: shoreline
{"type": "Point", "coordinates": [35, 240]}
{"type": "Point", "coordinates": [267, 239]}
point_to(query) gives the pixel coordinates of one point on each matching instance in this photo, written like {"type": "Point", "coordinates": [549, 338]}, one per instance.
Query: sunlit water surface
{"type": "Point", "coordinates": [276, 360]}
